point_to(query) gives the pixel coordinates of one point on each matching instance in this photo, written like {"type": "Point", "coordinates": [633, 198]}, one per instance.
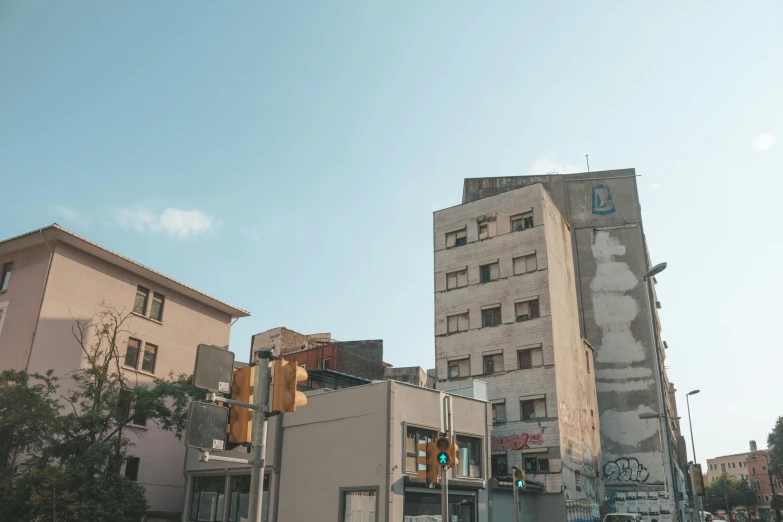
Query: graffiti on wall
{"type": "Point", "coordinates": [516, 441]}
{"type": "Point", "coordinates": [602, 200]}
{"type": "Point", "coordinates": [625, 470]}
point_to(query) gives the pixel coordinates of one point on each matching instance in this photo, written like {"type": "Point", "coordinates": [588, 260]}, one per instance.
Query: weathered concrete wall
{"type": "Point", "coordinates": [515, 438]}
{"type": "Point", "coordinates": [285, 341]}
{"type": "Point", "coordinates": [411, 374]}
{"type": "Point", "coordinates": [361, 358]}
{"type": "Point", "coordinates": [580, 444]}
{"type": "Point", "coordinates": [611, 260]}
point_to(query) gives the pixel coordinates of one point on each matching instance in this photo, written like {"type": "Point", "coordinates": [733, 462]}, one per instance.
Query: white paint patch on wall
{"type": "Point", "coordinates": [627, 386]}
{"type": "Point", "coordinates": [613, 310]}
{"type": "Point", "coordinates": [625, 427]}
{"type": "Point", "coordinates": [623, 379]}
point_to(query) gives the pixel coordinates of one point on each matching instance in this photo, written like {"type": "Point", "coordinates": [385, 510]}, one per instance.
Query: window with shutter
{"type": "Point", "coordinates": [527, 310]}
{"type": "Point", "coordinates": [457, 323]}
{"type": "Point", "coordinates": [456, 238]}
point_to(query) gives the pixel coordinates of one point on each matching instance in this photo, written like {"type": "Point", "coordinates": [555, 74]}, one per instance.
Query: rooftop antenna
{"type": "Point", "coordinates": [587, 159]}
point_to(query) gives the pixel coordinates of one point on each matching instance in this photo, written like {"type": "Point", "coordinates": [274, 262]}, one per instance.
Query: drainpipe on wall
{"type": "Point", "coordinates": [43, 293]}
{"type": "Point", "coordinates": [661, 401]}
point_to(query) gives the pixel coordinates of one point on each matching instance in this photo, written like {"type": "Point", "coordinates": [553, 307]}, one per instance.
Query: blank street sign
{"type": "Point", "coordinates": [207, 425]}
{"type": "Point", "coordinates": [214, 369]}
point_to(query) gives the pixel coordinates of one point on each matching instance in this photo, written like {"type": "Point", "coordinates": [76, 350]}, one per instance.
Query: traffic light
{"type": "Point", "coordinates": [519, 478]}
{"type": "Point", "coordinates": [428, 458]}
{"type": "Point", "coordinates": [453, 451]}
{"type": "Point", "coordinates": [699, 479]}
{"type": "Point", "coordinates": [286, 398]}
{"type": "Point", "coordinates": [442, 445]}
{"type": "Point", "coordinates": [240, 428]}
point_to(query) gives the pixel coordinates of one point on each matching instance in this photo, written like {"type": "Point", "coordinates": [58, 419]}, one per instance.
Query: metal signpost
{"type": "Point", "coordinates": [207, 423]}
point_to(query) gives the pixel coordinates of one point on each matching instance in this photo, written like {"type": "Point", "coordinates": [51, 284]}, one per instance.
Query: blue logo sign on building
{"type": "Point", "coordinates": [602, 200]}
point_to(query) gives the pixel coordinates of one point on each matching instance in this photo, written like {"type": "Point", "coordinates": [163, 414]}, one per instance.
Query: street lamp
{"type": "Point", "coordinates": [696, 500]}
{"type": "Point", "coordinates": [657, 269]}
{"type": "Point", "coordinates": [667, 454]}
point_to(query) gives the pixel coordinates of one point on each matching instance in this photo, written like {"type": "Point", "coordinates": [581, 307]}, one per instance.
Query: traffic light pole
{"type": "Point", "coordinates": [261, 403]}
{"type": "Point", "coordinates": [444, 473]}
{"type": "Point", "coordinates": [516, 501]}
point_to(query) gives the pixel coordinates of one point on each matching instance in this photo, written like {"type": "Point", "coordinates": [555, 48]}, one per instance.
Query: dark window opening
{"type": "Point", "coordinates": [5, 278]}
{"type": "Point", "coordinates": [140, 305]}
{"type": "Point", "coordinates": [150, 356]}
{"type": "Point", "coordinates": [527, 310]}
{"type": "Point", "coordinates": [132, 353]}
{"type": "Point", "coordinates": [156, 312]}
{"type": "Point", "coordinates": [490, 317]}
{"type": "Point", "coordinates": [500, 465]}
{"type": "Point", "coordinates": [132, 468]}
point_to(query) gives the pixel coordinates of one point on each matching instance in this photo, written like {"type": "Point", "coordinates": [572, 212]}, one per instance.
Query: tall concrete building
{"type": "Point", "coordinates": [506, 309]}
{"type": "Point", "coordinates": [617, 309]}
{"type": "Point", "coordinates": [51, 276]}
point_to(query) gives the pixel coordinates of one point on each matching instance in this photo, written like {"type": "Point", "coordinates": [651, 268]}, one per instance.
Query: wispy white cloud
{"type": "Point", "coordinates": [70, 215]}
{"type": "Point", "coordinates": [171, 221]}
{"type": "Point", "coordinates": [546, 165]}
{"type": "Point", "coordinates": [763, 141]}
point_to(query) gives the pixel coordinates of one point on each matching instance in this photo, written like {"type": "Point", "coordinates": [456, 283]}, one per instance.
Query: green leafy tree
{"type": "Point", "coordinates": [28, 414]}
{"type": "Point", "coordinates": [727, 493]}
{"type": "Point", "coordinates": [74, 474]}
{"type": "Point", "coordinates": [775, 445]}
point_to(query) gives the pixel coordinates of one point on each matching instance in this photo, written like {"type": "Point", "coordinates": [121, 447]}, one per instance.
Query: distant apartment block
{"type": "Point", "coordinates": [506, 312]}
{"type": "Point", "coordinates": [51, 276]}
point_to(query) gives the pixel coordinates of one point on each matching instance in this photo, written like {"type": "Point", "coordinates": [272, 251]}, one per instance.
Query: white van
{"type": "Point", "coordinates": [623, 517]}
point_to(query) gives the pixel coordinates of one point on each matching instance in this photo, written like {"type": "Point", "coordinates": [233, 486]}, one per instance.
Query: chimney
{"type": "Point", "coordinates": [753, 448]}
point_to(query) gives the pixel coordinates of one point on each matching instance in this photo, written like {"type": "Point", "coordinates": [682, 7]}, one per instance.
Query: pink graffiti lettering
{"type": "Point", "coordinates": [516, 441]}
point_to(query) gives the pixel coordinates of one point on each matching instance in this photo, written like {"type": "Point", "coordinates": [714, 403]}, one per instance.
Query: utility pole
{"type": "Point", "coordinates": [261, 401]}
{"type": "Point", "coordinates": [444, 473]}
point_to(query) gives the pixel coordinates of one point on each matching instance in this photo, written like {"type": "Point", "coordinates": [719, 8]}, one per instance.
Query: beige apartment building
{"type": "Point", "coordinates": [364, 440]}
{"type": "Point", "coordinates": [733, 465]}
{"type": "Point", "coordinates": [506, 310]}
{"type": "Point", "coordinates": [51, 276]}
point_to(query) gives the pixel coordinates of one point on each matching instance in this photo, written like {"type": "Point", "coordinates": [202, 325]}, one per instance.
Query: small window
{"type": "Point", "coordinates": [531, 464]}
{"type": "Point", "coordinates": [150, 356]}
{"type": "Point", "coordinates": [490, 317]}
{"type": "Point", "coordinates": [487, 229]}
{"type": "Point", "coordinates": [578, 477]}
{"type": "Point", "coordinates": [525, 264]}
{"type": "Point", "coordinates": [140, 305]}
{"type": "Point", "coordinates": [457, 238]}
{"type": "Point", "coordinates": [499, 464]}
{"type": "Point", "coordinates": [763, 467]}
{"type": "Point", "coordinates": [489, 272]}
{"type": "Point", "coordinates": [543, 465]}
{"type": "Point", "coordinates": [5, 276]}
{"type": "Point", "coordinates": [469, 457]}
{"type": "Point", "coordinates": [413, 438]}
{"type": "Point", "coordinates": [493, 363]}
{"type": "Point", "coordinates": [139, 419]}
{"type": "Point", "coordinates": [358, 506]}
{"type": "Point", "coordinates": [325, 364]}
{"type": "Point", "coordinates": [498, 412]}
{"type": "Point", "coordinates": [132, 353]}
{"type": "Point", "coordinates": [457, 323]}
{"type": "Point", "coordinates": [532, 409]}
{"type": "Point", "coordinates": [530, 358]}
{"type": "Point", "coordinates": [527, 310]}
{"type": "Point", "coordinates": [456, 279]}
{"type": "Point", "coordinates": [132, 468]}
{"type": "Point", "coordinates": [522, 222]}
{"type": "Point", "coordinates": [156, 312]}
{"type": "Point", "coordinates": [459, 368]}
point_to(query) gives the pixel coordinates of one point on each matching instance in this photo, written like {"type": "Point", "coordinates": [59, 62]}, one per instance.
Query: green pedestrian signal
{"type": "Point", "coordinates": [443, 459]}
{"type": "Point", "coordinates": [519, 478]}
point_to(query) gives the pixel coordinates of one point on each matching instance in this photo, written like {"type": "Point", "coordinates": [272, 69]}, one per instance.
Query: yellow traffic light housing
{"type": "Point", "coordinates": [240, 428]}
{"type": "Point", "coordinates": [519, 478]}
{"type": "Point", "coordinates": [453, 451]}
{"type": "Point", "coordinates": [285, 397]}
{"type": "Point", "coordinates": [427, 457]}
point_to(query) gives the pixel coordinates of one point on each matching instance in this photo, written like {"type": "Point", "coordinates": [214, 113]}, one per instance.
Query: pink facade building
{"type": "Point", "coordinates": [50, 276]}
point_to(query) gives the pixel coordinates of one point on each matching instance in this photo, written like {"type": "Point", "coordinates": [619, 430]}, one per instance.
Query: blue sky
{"type": "Point", "coordinates": [287, 157]}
